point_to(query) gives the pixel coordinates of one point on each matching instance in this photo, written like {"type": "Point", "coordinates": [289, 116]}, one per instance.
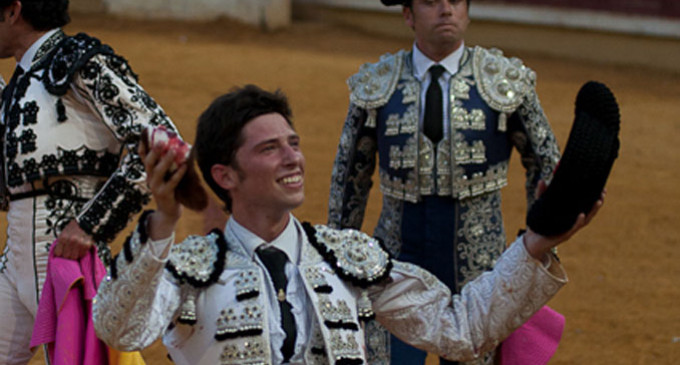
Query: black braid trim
{"type": "Point", "coordinates": [188, 321]}
{"type": "Point", "coordinates": [237, 334]}
{"type": "Point", "coordinates": [69, 56]}
{"type": "Point", "coordinates": [127, 246]}
{"type": "Point", "coordinates": [318, 351]}
{"type": "Point", "coordinates": [367, 318]}
{"type": "Point", "coordinates": [218, 266]}
{"type": "Point", "coordinates": [324, 289]}
{"type": "Point", "coordinates": [127, 250]}
{"type": "Point", "coordinates": [341, 325]}
{"type": "Point", "coordinates": [247, 295]}
{"type": "Point", "coordinates": [349, 361]}
{"type": "Point", "coordinates": [114, 268]}
{"type": "Point", "coordinates": [141, 226]}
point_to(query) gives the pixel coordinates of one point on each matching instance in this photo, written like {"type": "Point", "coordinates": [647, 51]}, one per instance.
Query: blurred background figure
{"type": "Point", "coordinates": [71, 117]}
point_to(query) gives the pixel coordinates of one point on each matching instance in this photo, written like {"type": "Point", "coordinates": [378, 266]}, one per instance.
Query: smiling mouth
{"type": "Point", "coordinates": [289, 180]}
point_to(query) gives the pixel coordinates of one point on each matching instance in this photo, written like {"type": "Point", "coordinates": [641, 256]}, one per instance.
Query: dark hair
{"type": "Point", "coordinates": [218, 134]}
{"type": "Point", "coordinates": [42, 14]}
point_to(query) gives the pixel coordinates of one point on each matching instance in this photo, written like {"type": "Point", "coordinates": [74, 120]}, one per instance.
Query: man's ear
{"type": "Point", "coordinates": [225, 176]}
{"type": "Point", "coordinates": [408, 16]}
{"type": "Point", "coordinates": [12, 11]}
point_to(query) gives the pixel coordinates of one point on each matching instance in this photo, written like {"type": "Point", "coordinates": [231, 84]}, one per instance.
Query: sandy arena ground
{"type": "Point", "coordinates": [623, 302]}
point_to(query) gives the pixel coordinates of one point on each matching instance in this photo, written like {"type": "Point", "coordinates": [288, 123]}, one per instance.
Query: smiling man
{"type": "Point", "coordinates": [443, 119]}
{"type": "Point", "coordinates": [273, 290]}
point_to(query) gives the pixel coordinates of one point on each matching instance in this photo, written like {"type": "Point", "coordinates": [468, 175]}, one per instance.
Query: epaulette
{"type": "Point", "coordinates": [355, 256]}
{"type": "Point", "coordinates": [503, 82]}
{"type": "Point", "coordinates": [69, 56]}
{"type": "Point", "coordinates": [199, 260]}
{"type": "Point", "coordinates": [374, 84]}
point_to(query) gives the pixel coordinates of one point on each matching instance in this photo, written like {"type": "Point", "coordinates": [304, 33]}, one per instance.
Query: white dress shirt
{"type": "Point", "coordinates": [421, 66]}
{"type": "Point", "coordinates": [289, 241]}
{"type": "Point", "coordinates": [27, 58]}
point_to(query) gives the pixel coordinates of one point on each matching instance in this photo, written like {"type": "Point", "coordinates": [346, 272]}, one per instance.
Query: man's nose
{"type": "Point", "coordinates": [292, 155]}
{"type": "Point", "coordinates": [446, 7]}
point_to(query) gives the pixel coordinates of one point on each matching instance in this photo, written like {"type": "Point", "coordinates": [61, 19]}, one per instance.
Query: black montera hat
{"type": "Point", "coordinates": [393, 2]}
{"type": "Point", "coordinates": [588, 158]}
{"type": "Point", "coordinates": [402, 2]}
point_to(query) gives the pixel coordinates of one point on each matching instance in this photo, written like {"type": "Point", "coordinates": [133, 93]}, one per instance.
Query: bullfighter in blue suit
{"type": "Point", "coordinates": [442, 119]}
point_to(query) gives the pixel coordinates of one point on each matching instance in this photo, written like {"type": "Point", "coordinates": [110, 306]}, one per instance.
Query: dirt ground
{"type": "Point", "coordinates": [622, 304]}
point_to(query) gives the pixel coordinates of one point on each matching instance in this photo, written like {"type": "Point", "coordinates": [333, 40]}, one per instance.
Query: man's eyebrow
{"type": "Point", "coordinates": [266, 141]}
{"type": "Point", "coordinates": [276, 140]}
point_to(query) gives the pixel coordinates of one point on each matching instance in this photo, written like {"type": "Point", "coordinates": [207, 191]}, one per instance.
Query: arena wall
{"type": "Point", "coordinates": [655, 8]}
{"type": "Point", "coordinates": [659, 18]}
{"type": "Point", "coordinates": [267, 14]}
{"type": "Point", "coordinates": [614, 37]}
{"type": "Point", "coordinates": [627, 32]}
{"type": "Point", "coordinates": [641, 17]}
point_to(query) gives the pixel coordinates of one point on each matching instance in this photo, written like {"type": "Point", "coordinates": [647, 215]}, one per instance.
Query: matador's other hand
{"type": "Point", "coordinates": [538, 245]}
{"type": "Point", "coordinates": [73, 242]}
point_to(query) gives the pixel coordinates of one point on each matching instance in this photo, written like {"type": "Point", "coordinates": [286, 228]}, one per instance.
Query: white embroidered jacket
{"type": "Point", "coordinates": [208, 300]}
{"type": "Point", "coordinates": [77, 110]}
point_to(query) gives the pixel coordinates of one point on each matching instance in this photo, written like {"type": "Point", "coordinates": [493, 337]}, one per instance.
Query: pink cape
{"type": "Point", "coordinates": [64, 318]}
{"type": "Point", "coordinates": [536, 341]}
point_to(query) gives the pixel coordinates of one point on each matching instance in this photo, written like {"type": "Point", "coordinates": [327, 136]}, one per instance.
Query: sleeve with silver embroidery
{"type": "Point", "coordinates": [420, 310]}
{"type": "Point", "coordinates": [111, 89]}
{"type": "Point", "coordinates": [352, 171]}
{"type": "Point", "coordinates": [533, 137]}
{"type": "Point", "coordinates": [136, 301]}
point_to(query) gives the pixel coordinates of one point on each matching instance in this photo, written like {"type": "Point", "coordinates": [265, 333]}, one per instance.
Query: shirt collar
{"type": "Point", "coordinates": [422, 63]}
{"type": "Point", "coordinates": [27, 59]}
{"type": "Point", "coordinates": [288, 241]}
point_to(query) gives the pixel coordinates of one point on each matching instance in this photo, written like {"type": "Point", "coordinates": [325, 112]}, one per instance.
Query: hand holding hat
{"type": "Point", "coordinates": [189, 191]}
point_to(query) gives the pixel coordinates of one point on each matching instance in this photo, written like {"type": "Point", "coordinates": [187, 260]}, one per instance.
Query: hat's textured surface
{"type": "Point", "coordinates": [588, 158]}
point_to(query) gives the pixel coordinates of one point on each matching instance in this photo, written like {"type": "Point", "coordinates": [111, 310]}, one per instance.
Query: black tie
{"type": "Point", "coordinates": [275, 261]}
{"type": "Point", "coordinates": [434, 117]}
